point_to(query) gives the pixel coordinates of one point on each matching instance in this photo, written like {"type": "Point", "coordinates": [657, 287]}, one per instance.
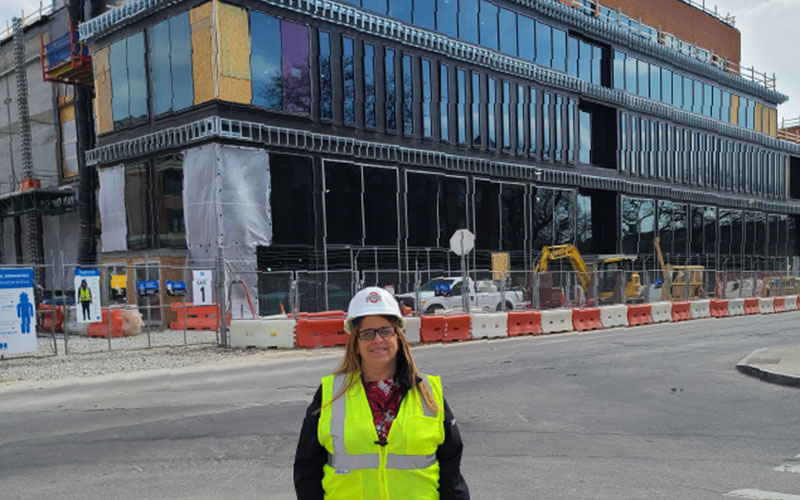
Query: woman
{"type": "Point", "coordinates": [377, 428]}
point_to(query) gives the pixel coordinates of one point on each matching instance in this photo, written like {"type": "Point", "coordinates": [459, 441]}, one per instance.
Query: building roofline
{"type": "Point", "coordinates": [348, 15]}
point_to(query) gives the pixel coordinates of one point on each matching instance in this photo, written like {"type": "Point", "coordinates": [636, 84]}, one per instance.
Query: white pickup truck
{"type": "Point", "coordinates": [443, 293]}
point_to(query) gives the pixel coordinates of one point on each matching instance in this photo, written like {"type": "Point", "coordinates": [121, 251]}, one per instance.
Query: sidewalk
{"type": "Point", "coordinates": [779, 365]}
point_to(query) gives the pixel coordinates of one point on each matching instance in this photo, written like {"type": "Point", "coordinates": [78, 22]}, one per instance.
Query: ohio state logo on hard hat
{"type": "Point", "coordinates": [373, 297]}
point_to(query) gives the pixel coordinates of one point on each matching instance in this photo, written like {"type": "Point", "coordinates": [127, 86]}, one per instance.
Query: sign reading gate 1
{"type": "Point", "coordinates": [201, 287]}
{"type": "Point", "coordinates": [17, 311]}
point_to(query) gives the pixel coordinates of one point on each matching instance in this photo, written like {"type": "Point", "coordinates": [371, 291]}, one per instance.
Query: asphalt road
{"type": "Point", "coordinates": [656, 412]}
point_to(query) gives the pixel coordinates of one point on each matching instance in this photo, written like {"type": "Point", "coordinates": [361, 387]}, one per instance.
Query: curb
{"type": "Point", "coordinates": [767, 376]}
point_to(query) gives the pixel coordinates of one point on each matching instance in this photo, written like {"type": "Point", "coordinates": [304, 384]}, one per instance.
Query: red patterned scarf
{"type": "Point", "coordinates": [384, 398]}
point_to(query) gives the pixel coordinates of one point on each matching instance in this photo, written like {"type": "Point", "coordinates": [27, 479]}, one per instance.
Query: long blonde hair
{"type": "Point", "coordinates": [350, 365]}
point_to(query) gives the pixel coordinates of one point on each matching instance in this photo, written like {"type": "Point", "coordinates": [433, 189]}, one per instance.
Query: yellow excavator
{"type": "Point", "coordinates": [609, 270]}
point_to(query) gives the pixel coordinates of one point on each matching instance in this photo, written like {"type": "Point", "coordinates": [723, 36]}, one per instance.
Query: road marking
{"type": "Point", "coordinates": [788, 468]}
{"type": "Point", "coordinates": [761, 495]}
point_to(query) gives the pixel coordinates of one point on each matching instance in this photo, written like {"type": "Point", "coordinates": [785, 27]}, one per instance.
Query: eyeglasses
{"type": "Point", "coordinates": [385, 332]}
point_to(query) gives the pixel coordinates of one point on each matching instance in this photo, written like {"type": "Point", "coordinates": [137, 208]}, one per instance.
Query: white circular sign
{"type": "Point", "coordinates": [462, 242]}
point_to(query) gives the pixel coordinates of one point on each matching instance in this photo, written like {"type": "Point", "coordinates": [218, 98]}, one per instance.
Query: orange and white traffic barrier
{"type": "Point", "coordinates": [262, 332]}
{"type": "Point", "coordinates": [524, 323]}
{"type": "Point", "coordinates": [681, 311]}
{"type": "Point", "coordinates": [752, 305]}
{"type": "Point", "coordinates": [489, 326]}
{"type": "Point", "coordinates": [640, 314]}
{"type": "Point", "coordinates": [661, 312]}
{"type": "Point", "coordinates": [719, 308]}
{"type": "Point", "coordinates": [614, 316]}
{"type": "Point", "coordinates": [736, 307]}
{"type": "Point", "coordinates": [557, 320]}
{"type": "Point", "coordinates": [791, 303]}
{"type": "Point", "coordinates": [779, 304]}
{"type": "Point", "coordinates": [413, 327]}
{"type": "Point", "coordinates": [586, 319]}
{"type": "Point", "coordinates": [700, 309]}
{"type": "Point", "coordinates": [765, 305]}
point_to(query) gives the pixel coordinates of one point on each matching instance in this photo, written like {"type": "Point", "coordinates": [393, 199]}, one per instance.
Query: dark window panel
{"type": "Point", "coordinates": [512, 211]}
{"type": "Point", "coordinates": [401, 9]}
{"type": "Point", "coordinates": [488, 24]}
{"type": "Point", "coordinates": [444, 102]}
{"type": "Point", "coordinates": [452, 207]}
{"type": "Point", "coordinates": [325, 82]}
{"type": "Point", "coordinates": [559, 50]}
{"type": "Point", "coordinates": [291, 199]}
{"type": "Point", "coordinates": [380, 206]}
{"type": "Point", "coordinates": [295, 62]}
{"type": "Point", "coordinates": [487, 215]}
{"type": "Point", "coordinates": [447, 17]}
{"type": "Point", "coordinates": [422, 194]}
{"type": "Point", "coordinates": [525, 37]}
{"type": "Point", "coordinates": [468, 20]}
{"type": "Point", "coordinates": [408, 96]}
{"type": "Point", "coordinates": [348, 80]}
{"type": "Point", "coordinates": [425, 14]}
{"type": "Point", "coordinates": [390, 71]}
{"type": "Point", "coordinates": [544, 45]}
{"type": "Point", "coordinates": [508, 32]}
{"type": "Point", "coordinates": [369, 85]}
{"type": "Point", "coordinates": [427, 93]}
{"type": "Point", "coordinates": [343, 203]}
{"type": "Point", "coordinates": [265, 65]}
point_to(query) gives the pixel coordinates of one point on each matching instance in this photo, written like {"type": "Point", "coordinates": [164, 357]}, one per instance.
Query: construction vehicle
{"type": "Point", "coordinates": [609, 269]}
{"type": "Point", "coordinates": [680, 282]}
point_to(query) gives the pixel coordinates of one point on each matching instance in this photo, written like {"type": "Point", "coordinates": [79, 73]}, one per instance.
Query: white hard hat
{"type": "Point", "coordinates": [372, 301]}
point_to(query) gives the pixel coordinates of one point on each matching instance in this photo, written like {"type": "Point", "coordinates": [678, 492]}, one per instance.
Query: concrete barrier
{"type": "Point", "coordinates": [489, 326]}
{"type": "Point", "coordinates": [681, 311]}
{"type": "Point", "coordinates": [751, 305]}
{"type": "Point", "coordinates": [779, 304]}
{"type": "Point", "coordinates": [661, 312]}
{"type": "Point", "coordinates": [557, 320]}
{"type": "Point", "coordinates": [261, 332]}
{"type": "Point", "coordinates": [736, 307]}
{"type": "Point", "coordinates": [700, 309]}
{"type": "Point", "coordinates": [640, 315]}
{"type": "Point", "coordinates": [791, 303]}
{"type": "Point", "coordinates": [413, 327]}
{"type": "Point", "coordinates": [765, 305]}
{"type": "Point", "coordinates": [614, 316]}
{"type": "Point", "coordinates": [586, 319]}
{"type": "Point", "coordinates": [719, 308]}
{"type": "Point", "coordinates": [524, 323]}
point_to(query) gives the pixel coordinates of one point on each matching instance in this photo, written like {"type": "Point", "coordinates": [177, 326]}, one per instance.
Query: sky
{"type": "Point", "coordinates": [767, 28]}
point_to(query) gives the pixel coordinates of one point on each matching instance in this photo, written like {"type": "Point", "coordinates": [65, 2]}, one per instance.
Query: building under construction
{"type": "Point", "coordinates": [38, 148]}
{"type": "Point", "coordinates": [360, 134]}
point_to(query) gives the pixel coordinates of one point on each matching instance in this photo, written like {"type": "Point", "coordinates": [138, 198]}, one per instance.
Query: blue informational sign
{"type": "Point", "coordinates": [176, 287]}
{"type": "Point", "coordinates": [149, 287]}
{"type": "Point", "coordinates": [88, 297]}
{"type": "Point", "coordinates": [17, 311]}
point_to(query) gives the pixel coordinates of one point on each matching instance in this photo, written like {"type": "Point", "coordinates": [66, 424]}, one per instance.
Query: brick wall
{"type": "Point", "coordinates": [685, 22]}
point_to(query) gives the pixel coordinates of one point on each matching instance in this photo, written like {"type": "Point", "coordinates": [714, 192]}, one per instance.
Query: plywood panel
{"type": "Point", "coordinates": [233, 54]}
{"type": "Point", "coordinates": [102, 86]}
{"type": "Point", "coordinates": [734, 109]}
{"type": "Point", "coordinates": [203, 53]}
{"type": "Point", "coordinates": [773, 122]}
{"type": "Point", "coordinates": [758, 121]}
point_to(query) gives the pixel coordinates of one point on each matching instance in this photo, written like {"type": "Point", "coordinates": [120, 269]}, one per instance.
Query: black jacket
{"type": "Point", "coordinates": [311, 456]}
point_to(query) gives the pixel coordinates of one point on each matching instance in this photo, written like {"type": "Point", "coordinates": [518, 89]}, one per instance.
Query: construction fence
{"type": "Point", "coordinates": [150, 304]}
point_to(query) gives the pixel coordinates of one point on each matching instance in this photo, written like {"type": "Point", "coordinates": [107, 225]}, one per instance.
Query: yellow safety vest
{"type": "Point", "coordinates": [86, 294]}
{"type": "Point", "coordinates": [358, 467]}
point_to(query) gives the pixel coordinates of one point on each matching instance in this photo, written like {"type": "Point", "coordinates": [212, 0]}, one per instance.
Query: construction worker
{"type": "Point", "coordinates": [377, 392]}
{"type": "Point", "coordinates": [85, 297]}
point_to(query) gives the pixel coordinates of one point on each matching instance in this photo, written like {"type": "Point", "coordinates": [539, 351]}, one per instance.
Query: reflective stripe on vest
{"type": "Point", "coordinates": [341, 460]}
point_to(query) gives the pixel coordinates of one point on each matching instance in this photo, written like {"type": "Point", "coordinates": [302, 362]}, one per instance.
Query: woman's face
{"type": "Point", "coordinates": [378, 352]}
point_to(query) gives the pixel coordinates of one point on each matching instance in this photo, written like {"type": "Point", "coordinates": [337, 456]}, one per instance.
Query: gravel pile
{"type": "Point", "coordinates": [90, 357]}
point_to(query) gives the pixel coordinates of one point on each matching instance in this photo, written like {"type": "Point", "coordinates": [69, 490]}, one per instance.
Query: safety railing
{"type": "Point", "coordinates": [45, 9]}
{"type": "Point", "coordinates": [637, 27]}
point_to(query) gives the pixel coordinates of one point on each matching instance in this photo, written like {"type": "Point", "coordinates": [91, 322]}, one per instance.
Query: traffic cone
{"type": "Point", "coordinates": [280, 304]}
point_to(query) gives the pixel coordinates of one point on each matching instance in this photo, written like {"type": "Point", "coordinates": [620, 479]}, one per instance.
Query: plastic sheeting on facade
{"type": "Point", "coordinates": [112, 211]}
{"type": "Point", "coordinates": [226, 192]}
